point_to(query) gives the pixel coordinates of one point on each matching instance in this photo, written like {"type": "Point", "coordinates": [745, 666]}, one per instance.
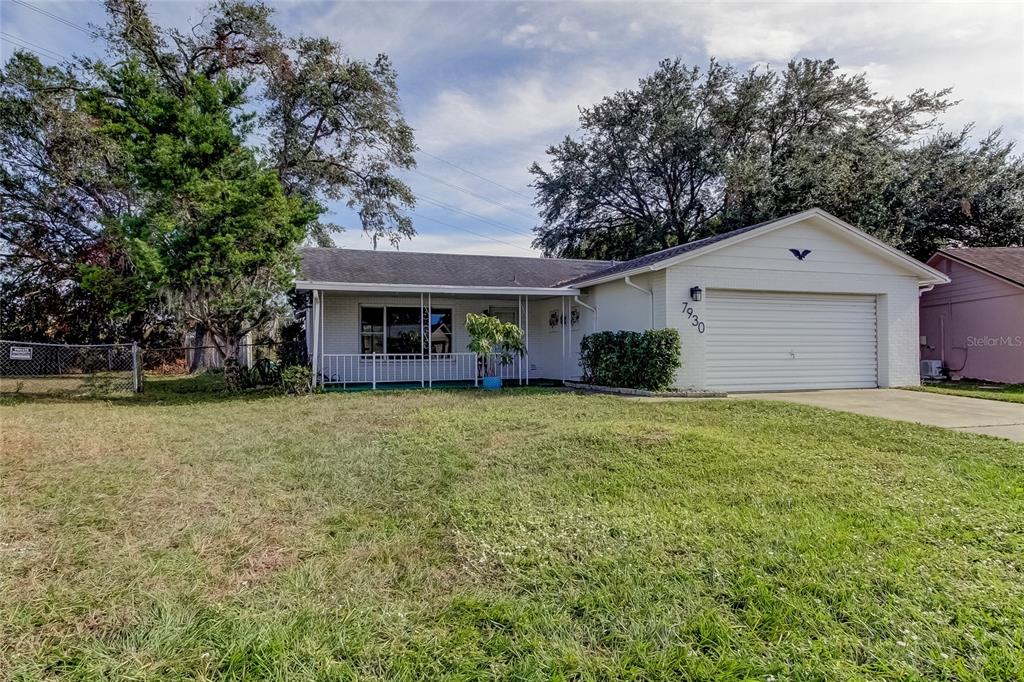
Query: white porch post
{"type": "Point", "coordinates": [314, 333]}
{"type": "Point", "coordinates": [424, 338]}
{"type": "Point", "coordinates": [430, 345]}
{"type": "Point", "coordinates": [519, 318]}
{"type": "Point", "coordinates": [323, 334]}
{"type": "Point", "coordinates": [527, 341]}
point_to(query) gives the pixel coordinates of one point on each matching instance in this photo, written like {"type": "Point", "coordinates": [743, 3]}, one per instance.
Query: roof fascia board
{"type": "Point", "coordinates": [931, 275]}
{"type": "Point", "coordinates": [668, 262]}
{"type": "Point", "coordinates": [304, 285]}
{"type": "Point", "coordinates": [976, 268]}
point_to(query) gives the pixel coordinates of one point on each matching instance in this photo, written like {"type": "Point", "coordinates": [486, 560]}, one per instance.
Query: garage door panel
{"type": "Point", "coordinates": [805, 360]}
{"type": "Point", "coordinates": [857, 337]}
{"type": "Point", "coordinates": [796, 312]}
{"type": "Point", "coordinates": [783, 341]}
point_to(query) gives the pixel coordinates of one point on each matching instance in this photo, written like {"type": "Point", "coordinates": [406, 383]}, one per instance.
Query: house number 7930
{"type": "Point", "coordinates": [695, 320]}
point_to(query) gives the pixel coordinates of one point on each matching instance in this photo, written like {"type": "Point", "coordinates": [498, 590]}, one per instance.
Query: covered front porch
{"type": "Point", "coordinates": [361, 336]}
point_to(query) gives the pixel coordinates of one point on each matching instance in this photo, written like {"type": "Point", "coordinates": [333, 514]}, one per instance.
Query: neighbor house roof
{"type": "Point", "coordinates": [438, 269]}
{"type": "Point", "coordinates": [1006, 262]}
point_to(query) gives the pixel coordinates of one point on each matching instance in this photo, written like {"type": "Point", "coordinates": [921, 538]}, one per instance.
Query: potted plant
{"type": "Point", "coordinates": [495, 343]}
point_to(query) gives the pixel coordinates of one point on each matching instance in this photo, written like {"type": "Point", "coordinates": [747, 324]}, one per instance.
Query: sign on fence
{"type": "Point", "coordinates": [98, 369]}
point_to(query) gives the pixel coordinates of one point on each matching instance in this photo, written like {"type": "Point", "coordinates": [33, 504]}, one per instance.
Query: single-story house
{"type": "Point", "coordinates": [803, 302]}
{"type": "Point", "coordinates": [975, 325]}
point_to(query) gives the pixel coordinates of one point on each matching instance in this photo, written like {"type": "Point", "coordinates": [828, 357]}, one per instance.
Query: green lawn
{"type": "Point", "coordinates": [529, 535]}
{"type": "Point", "coordinates": [1010, 393]}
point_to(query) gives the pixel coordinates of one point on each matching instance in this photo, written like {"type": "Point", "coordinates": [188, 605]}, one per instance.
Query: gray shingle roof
{"type": "Point", "coordinates": [438, 269]}
{"type": "Point", "coordinates": [1005, 261]}
{"type": "Point", "coordinates": [447, 269]}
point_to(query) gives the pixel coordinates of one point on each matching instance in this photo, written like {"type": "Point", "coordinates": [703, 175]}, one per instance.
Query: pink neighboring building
{"type": "Point", "coordinates": [975, 324]}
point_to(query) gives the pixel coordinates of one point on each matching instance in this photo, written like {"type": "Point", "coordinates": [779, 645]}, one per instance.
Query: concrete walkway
{"type": "Point", "coordinates": [990, 417]}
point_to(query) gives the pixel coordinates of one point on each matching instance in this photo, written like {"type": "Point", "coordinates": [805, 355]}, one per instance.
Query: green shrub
{"type": "Point", "coordinates": [297, 379]}
{"type": "Point", "coordinates": [645, 360]}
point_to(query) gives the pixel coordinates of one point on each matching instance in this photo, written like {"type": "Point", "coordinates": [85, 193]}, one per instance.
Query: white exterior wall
{"type": "Point", "coordinates": [621, 307]}
{"type": "Point", "coordinates": [836, 265]}
{"type": "Point", "coordinates": [547, 340]}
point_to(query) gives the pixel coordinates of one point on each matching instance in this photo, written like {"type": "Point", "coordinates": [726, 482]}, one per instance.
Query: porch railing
{"type": "Point", "coordinates": [373, 369]}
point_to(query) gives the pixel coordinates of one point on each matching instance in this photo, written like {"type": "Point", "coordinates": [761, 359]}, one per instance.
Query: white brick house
{"type": "Point", "coordinates": [803, 302]}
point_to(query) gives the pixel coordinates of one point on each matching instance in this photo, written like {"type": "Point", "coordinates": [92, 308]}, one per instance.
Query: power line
{"type": "Point", "coordinates": [456, 209]}
{"type": "Point", "coordinates": [475, 234]}
{"type": "Point", "coordinates": [32, 46]}
{"type": "Point", "coordinates": [473, 194]}
{"type": "Point", "coordinates": [476, 175]}
{"type": "Point", "coordinates": [55, 17]}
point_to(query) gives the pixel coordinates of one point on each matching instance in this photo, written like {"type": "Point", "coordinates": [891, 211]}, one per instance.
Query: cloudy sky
{"type": "Point", "coordinates": [488, 86]}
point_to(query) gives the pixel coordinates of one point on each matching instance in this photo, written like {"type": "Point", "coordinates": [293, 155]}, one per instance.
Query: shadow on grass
{"type": "Point", "coordinates": [206, 387]}
{"type": "Point", "coordinates": [209, 387]}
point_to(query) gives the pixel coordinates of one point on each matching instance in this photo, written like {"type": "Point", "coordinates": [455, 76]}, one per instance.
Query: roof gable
{"type": "Point", "coordinates": [693, 250]}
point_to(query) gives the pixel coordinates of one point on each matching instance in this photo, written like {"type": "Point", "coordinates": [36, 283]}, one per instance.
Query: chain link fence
{"type": "Point", "coordinates": [51, 368]}
{"type": "Point", "coordinates": [172, 360]}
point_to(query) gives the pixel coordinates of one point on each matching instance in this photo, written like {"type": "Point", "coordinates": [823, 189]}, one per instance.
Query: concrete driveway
{"type": "Point", "coordinates": [990, 417]}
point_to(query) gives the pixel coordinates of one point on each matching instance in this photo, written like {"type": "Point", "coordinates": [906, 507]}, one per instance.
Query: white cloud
{"type": "Point", "coordinates": [568, 35]}
{"type": "Point", "coordinates": [516, 107]}
{"type": "Point", "coordinates": [738, 40]}
{"type": "Point", "coordinates": [544, 31]}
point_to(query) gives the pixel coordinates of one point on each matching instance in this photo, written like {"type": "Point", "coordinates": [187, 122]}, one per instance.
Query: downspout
{"type": "Point", "coordinates": [576, 299]}
{"type": "Point", "coordinates": [649, 292]}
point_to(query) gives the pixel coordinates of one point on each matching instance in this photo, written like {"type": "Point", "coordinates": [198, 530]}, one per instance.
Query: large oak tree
{"type": "Point", "coordinates": [170, 182]}
{"type": "Point", "coordinates": [692, 152]}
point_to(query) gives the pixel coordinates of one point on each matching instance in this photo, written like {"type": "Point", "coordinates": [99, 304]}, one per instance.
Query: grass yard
{"type": "Point", "coordinates": [1010, 393]}
{"type": "Point", "coordinates": [529, 535]}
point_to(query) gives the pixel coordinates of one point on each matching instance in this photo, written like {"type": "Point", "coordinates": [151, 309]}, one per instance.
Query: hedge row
{"type": "Point", "coordinates": [646, 360]}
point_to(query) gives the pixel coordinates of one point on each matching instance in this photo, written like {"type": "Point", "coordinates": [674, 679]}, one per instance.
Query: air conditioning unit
{"type": "Point", "coordinates": [931, 369]}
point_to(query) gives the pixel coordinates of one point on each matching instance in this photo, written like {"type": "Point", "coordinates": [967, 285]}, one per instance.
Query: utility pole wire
{"type": "Point", "coordinates": [476, 234]}
{"type": "Point", "coordinates": [55, 17]}
{"type": "Point", "coordinates": [455, 209]}
{"type": "Point", "coordinates": [32, 47]}
{"type": "Point", "coordinates": [474, 194]}
{"type": "Point", "coordinates": [476, 175]}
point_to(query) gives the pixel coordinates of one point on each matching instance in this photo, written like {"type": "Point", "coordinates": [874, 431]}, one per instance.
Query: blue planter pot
{"type": "Point", "coordinates": [492, 383]}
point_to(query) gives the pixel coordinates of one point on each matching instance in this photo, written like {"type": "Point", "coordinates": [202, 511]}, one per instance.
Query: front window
{"type": "Point", "coordinates": [404, 330]}
{"type": "Point", "coordinates": [399, 330]}
{"type": "Point", "coordinates": [441, 330]}
{"type": "Point", "coordinates": [371, 330]}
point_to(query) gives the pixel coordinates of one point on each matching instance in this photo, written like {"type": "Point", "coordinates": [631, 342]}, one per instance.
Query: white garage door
{"type": "Point", "coordinates": [771, 341]}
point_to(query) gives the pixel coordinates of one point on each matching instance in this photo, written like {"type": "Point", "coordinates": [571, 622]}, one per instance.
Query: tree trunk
{"type": "Point", "coordinates": [198, 350]}
{"type": "Point", "coordinates": [234, 373]}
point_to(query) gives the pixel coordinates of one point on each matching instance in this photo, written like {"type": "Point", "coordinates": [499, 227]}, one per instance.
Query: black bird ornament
{"type": "Point", "coordinates": [800, 255]}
